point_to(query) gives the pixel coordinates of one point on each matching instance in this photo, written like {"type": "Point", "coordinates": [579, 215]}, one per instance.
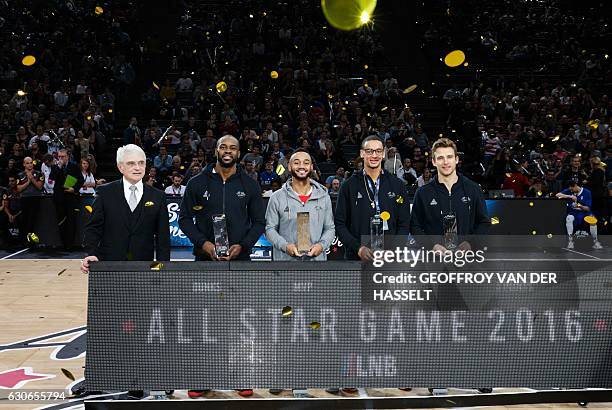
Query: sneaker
{"type": "Point", "coordinates": [332, 390]}
{"type": "Point", "coordinates": [194, 394]}
{"type": "Point", "coordinates": [245, 392]}
{"type": "Point", "coordinates": [570, 244]}
{"type": "Point", "coordinates": [597, 245]}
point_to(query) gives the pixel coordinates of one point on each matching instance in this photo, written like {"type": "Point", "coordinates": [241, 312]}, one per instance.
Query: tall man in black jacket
{"type": "Point", "coordinates": [366, 194]}
{"type": "Point", "coordinates": [129, 219]}
{"type": "Point", "coordinates": [66, 196]}
{"type": "Point", "coordinates": [223, 189]}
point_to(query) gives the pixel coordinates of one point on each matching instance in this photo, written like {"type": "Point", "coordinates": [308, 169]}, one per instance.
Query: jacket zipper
{"type": "Point", "coordinates": [223, 197]}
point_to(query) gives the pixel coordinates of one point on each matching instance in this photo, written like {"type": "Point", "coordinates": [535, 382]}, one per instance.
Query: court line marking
{"type": "Point", "coordinates": [15, 254]}
{"type": "Point", "coordinates": [580, 253]}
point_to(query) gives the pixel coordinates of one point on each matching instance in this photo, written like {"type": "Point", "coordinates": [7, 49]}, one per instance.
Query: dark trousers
{"type": "Point", "coordinates": [30, 207]}
{"type": "Point", "coordinates": [66, 210]}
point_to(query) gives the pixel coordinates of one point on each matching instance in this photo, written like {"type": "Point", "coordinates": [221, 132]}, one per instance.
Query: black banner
{"type": "Point", "coordinates": [187, 325]}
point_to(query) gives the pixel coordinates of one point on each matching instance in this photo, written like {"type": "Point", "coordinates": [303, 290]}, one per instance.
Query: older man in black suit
{"type": "Point", "coordinates": [129, 219]}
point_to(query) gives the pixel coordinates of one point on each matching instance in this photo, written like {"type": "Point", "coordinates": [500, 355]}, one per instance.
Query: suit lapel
{"type": "Point", "coordinates": [124, 207]}
{"type": "Point", "coordinates": [140, 209]}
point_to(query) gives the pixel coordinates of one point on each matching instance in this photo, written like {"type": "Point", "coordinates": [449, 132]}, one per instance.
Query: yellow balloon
{"type": "Point", "coordinates": [221, 86]}
{"type": "Point", "coordinates": [454, 58]}
{"type": "Point", "coordinates": [348, 14]}
{"type": "Point", "coordinates": [274, 75]}
{"type": "Point", "coordinates": [28, 60]}
{"type": "Point", "coordinates": [98, 10]}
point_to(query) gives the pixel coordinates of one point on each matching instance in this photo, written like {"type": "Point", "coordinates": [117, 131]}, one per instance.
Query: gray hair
{"type": "Point", "coordinates": [128, 149]}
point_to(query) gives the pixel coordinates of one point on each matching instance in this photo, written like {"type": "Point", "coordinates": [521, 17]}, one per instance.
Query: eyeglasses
{"type": "Point", "coordinates": [374, 151]}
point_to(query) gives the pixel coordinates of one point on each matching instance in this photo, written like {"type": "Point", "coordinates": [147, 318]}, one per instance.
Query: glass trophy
{"type": "Point", "coordinates": [449, 222]}
{"type": "Point", "coordinates": [303, 232]}
{"type": "Point", "coordinates": [220, 230]}
{"type": "Point", "coordinates": [376, 233]}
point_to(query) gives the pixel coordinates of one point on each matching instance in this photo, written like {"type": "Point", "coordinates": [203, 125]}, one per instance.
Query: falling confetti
{"type": "Point", "coordinates": [28, 60]}
{"type": "Point", "coordinates": [454, 58]}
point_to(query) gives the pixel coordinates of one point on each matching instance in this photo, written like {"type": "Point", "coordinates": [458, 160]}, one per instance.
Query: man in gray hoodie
{"type": "Point", "coordinates": [300, 194]}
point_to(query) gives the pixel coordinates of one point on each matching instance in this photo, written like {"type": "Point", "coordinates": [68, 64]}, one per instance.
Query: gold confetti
{"type": "Point", "coordinates": [197, 208]}
{"type": "Point", "coordinates": [98, 10]}
{"type": "Point", "coordinates": [315, 325]}
{"type": "Point", "coordinates": [157, 266]}
{"type": "Point", "coordinates": [221, 87]}
{"type": "Point", "coordinates": [385, 215]}
{"type": "Point", "coordinates": [33, 238]}
{"type": "Point", "coordinates": [534, 232]}
{"type": "Point", "coordinates": [410, 89]}
{"type": "Point", "coordinates": [590, 219]}
{"type": "Point", "coordinates": [88, 208]}
{"type": "Point", "coordinates": [454, 58]}
{"type": "Point", "coordinates": [28, 60]}
{"type": "Point", "coordinates": [287, 311]}
{"type": "Point", "coordinates": [155, 85]}
{"type": "Point", "coordinates": [495, 220]}
{"type": "Point", "coordinates": [530, 203]}
{"type": "Point", "coordinates": [149, 203]}
{"type": "Point", "coordinates": [549, 236]}
{"type": "Point", "coordinates": [68, 374]}
{"type": "Point", "coordinates": [273, 74]}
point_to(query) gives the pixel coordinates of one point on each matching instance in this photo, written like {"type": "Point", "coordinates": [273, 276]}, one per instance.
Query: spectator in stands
{"type": "Point", "coordinates": [425, 178]}
{"type": "Point", "coordinates": [254, 156]}
{"type": "Point", "coordinates": [596, 183]}
{"type": "Point", "coordinates": [517, 181]}
{"type": "Point", "coordinates": [574, 172]}
{"type": "Point", "coordinates": [393, 161]}
{"type": "Point", "coordinates": [40, 136]}
{"type": "Point", "coordinates": [163, 161]}
{"type": "Point", "coordinates": [68, 182]}
{"type": "Point", "coordinates": [340, 176]}
{"type": "Point", "coordinates": [551, 183]}
{"type": "Point", "coordinates": [177, 188]}
{"type": "Point", "coordinates": [184, 83]}
{"type": "Point", "coordinates": [407, 173]}
{"type": "Point", "coordinates": [132, 134]}
{"type": "Point", "coordinates": [267, 176]}
{"type": "Point", "coordinates": [89, 181]}
{"type": "Point", "coordinates": [30, 186]}
{"type": "Point", "coordinates": [249, 169]}
{"type": "Point", "coordinates": [334, 188]}
{"type": "Point", "coordinates": [12, 205]}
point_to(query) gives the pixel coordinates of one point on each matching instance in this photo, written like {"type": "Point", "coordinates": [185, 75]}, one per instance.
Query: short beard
{"type": "Point", "coordinates": [224, 165]}
{"type": "Point", "coordinates": [294, 175]}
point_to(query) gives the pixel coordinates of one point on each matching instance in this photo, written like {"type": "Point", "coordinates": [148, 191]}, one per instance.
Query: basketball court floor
{"type": "Point", "coordinates": [43, 317]}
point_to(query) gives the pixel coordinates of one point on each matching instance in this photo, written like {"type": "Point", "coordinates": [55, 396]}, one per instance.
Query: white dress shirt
{"type": "Point", "coordinates": [127, 192]}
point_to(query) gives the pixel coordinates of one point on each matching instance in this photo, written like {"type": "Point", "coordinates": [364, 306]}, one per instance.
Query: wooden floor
{"type": "Point", "coordinates": [47, 296]}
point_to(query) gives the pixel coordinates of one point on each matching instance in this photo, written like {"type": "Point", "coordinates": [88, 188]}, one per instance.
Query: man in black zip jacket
{"type": "Point", "coordinates": [366, 194]}
{"type": "Point", "coordinates": [448, 194]}
{"type": "Point", "coordinates": [223, 189]}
